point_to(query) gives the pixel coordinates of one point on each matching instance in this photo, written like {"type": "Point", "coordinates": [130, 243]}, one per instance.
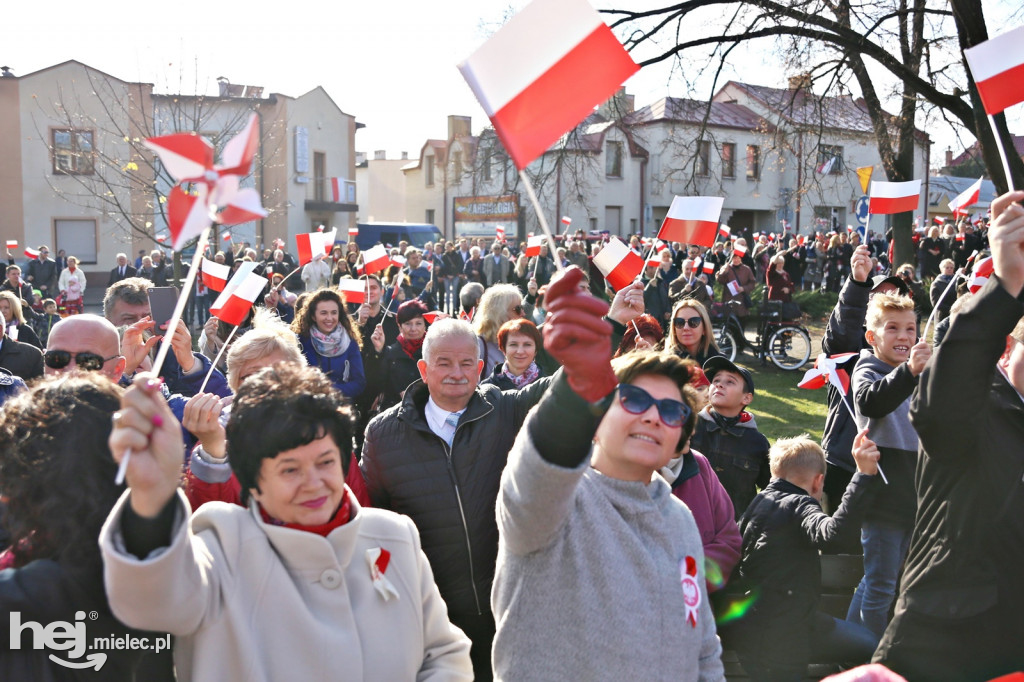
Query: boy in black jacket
{"type": "Point", "coordinates": [779, 574]}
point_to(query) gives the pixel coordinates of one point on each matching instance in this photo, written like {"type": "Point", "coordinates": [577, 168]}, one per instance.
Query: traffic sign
{"type": "Point", "coordinates": [861, 209]}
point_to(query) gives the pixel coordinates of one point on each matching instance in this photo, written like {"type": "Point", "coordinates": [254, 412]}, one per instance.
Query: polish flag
{"type": "Point", "coordinates": [354, 290]}
{"type": "Point", "coordinates": [979, 276]}
{"type": "Point", "coordinates": [215, 275]}
{"type": "Point", "coordinates": [567, 221]}
{"type": "Point", "coordinates": [227, 236]}
{"type": "Point", "coordinates": [708, 267]}
{"type": "Point", "coordinates": [329, 238]}
{"type": "Point", "coordinates": [499, 232]}
{"type": "Point", "coordinates": [998, 69]}
{"type": "Point", "coordinates": [353, 232]}
{"type": "Point", "coordinates": [375, 259]}
{"type": "Point", "coordinates": [234, 302]}
{"type": "Point", "coordinates": [619, 264]}
{"type": "Point", "coordinates": [533, 245]}
{"type": "Point", "coordinates": [161, 238]}
{"type": "Point", "coordinates": [398, 260]}
{"type": "Point", "coordinates": [338, 190]}
{"type": "Point", "coordinates": [734, 287]}
{"type": "Point", "coordinates": [825, 372]}
{"type": "Point", "coordinates": [894, 197]}
{"type": "Point", "coordinates": [429, 265]}
{"type": "Point", "coordinates": [538, 76]}
{"type": "Point", "coordinates": [654, 260]}
{"type": "Point", "coordinates": [724, 231]}
{"type": "Point", "coordinates": [968, 197]}
{"type": "Point", "coordinates": [12, 243]}
{"type": "Point", "coordinates": [692, 220]}
{"type": "Point", "coordinates": [31, 253]}
{"type": "Point", "coordinates": [319, 228]}
{"type": "Point", "coordinates": [740, 251]}
{"type": "Point", "coordinates": [311, 245]}
{"type": "Point", "coordinates": [431, 317]}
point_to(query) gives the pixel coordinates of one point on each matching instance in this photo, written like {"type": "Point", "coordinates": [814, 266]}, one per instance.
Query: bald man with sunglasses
{"type": "Point", "coordinates": [87, 343]}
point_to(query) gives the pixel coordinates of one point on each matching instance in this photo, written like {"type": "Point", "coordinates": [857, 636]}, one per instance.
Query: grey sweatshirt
{"type": "Point", "coordinates": [588, 583]}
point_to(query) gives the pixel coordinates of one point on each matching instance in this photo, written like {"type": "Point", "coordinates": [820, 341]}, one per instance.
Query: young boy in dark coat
{"type": "Point", "coordinates": [779, 575]}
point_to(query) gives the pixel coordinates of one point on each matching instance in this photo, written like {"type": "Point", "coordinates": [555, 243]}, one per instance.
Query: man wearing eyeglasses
{"type": "Point", "coordinates": [23, 360]}
{"type": "Point", "coordinates": [84, 343]}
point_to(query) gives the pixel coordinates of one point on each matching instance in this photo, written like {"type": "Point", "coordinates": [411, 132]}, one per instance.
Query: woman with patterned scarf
{"type": "Point", "coordinates": [519, 340]}
{"type": "Point", "coordinates": [330, 341]}
{"type": "Point", "coordinates": [398, 361]}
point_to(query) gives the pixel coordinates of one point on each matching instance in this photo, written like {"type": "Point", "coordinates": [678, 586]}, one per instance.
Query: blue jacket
{"type": "Point", "coordinates": [345, 370]}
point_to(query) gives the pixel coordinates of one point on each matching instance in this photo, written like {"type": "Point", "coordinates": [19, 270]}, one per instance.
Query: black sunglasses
{"type": "Point", "coordinates": [691, 322]}
{"type": "Point", "coordinates": [636, 400]}
{"type": "Point", "coordinates": [59, 359]}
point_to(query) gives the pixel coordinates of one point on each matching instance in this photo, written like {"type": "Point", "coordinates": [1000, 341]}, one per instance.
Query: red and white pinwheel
{"type": "Point", "coordinates": [825, 372]}
{"type": "Point", "coordinates": [217, 195]}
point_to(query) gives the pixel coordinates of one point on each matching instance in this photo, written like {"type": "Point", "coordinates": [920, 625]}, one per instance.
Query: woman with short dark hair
{"type": "Point", "coordinates": [305, 583]}
{"type": "Point", "coordinates": [519, 340]}
{"type": "Point", "coordinates": [58, 484]}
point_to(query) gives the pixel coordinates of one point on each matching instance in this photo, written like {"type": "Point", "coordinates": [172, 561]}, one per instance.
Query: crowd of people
{"type": "Point", "coordinates": [495, 466]}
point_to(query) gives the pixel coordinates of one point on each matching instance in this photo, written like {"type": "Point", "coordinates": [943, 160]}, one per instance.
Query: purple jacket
{"type": "Point", "coordinates": [698, 486]}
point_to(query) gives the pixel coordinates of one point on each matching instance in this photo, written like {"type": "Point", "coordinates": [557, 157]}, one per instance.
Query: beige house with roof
{"type": "Point", "coordinates": [77, 178]}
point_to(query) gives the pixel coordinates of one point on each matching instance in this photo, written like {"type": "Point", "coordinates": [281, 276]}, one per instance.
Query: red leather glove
{"type": "Point", "coordinates": [576, 335]}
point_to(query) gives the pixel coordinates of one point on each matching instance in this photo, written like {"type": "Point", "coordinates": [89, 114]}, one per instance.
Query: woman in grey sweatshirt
{"type": "Point", "coordinates": [600, 572]}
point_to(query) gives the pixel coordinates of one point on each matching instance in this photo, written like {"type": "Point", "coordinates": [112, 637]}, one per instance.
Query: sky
{"type": "Point", "coordinates": [390, 63]}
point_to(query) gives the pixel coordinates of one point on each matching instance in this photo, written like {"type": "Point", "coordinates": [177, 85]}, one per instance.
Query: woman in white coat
{"type": "Point", "coordinates": [305, 583]}
{"type": "Point", "coordinates": [72, 286]}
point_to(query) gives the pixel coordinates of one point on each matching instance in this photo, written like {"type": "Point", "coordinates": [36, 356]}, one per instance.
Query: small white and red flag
{"type": "Point", "coordinates": [215, 275]}
{"type": "Point", "coordinates": [161, 238]}
{"type": "Point", "coordinates": [567, 221]}
{"type": "Point", "coordinates": [708, 267]}
{"type": "Point", "coordinates": [619, 264]}
{"type": "Point", "coordinates": [329, 237]}
{"type": "Point", "coordinates": [234, 302]}
{"type": "Point", "coordinates": [31, 253]}
{"type": "Point", "coordinates": [533, 245]}
{"type": "Point", "coordinates": [801, 240]}
{"type": "Point", "coordinates": [967, 198]}
{"type": "Point", "coordinates": [227, 236]}
{"type": "Point", "coordinates": [319, 228]}
{"type": "Point", "coordinates": [894, 197]}
{"type": "Point", "coordinates": [310, 246]}
{"type": "Point", "coordinates": [979, 276]}
{"type": "Point", "coordinates": [399, 260]}
{"type": "Point", "coordinates": [734, 287]}
{"type": "Point", "coordinates": [375, 259]}
{"type": "Point", "coordinates": [499, 233]}
{"type": "Point", "coordinates": [740, 251]}
{"type": "Point", "coordinates": [537, 77]}
{"type": "Point", "coordinates": [724, 231]}
{"type": "Point", "coordinates": [998, 69]}
{"type": "Point", "coordinates": [428, 264]}
{"type": "Point", "coordinates": [354, 290]}
{"type": "Point", "coordinates": [654, 258]}
{"type": "Point", "coordinates": [692, 220]}
{"type": "Point", "coordinates": [959, 236]}
{"type": "Point", "coordinates": [825, 372]}
{"type": "Point", "coordinates": [338, 190]}
{"type": "Point", "coordinates": [12, 243]}
{"type": "Point", "coordinates": [353, 232]}
{"type": "Point", "coordinates": [431, 317]}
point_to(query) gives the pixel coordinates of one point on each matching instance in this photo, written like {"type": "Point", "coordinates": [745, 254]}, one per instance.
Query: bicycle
{"type": "Point", "coordinates": [785, 342]}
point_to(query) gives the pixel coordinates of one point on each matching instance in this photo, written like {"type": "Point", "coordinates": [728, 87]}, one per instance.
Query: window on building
{"type": "Point", "coordinates": [72, 151]}
{"type": "Point", "coordinates": [753, 161]}
{"type": "Point", "coordinates": [728, 159]}
{"type": "Point", "coordinates": [428, 171]}
{"type": "Point", "coordinates": [613, 160]}
{"type": "Point", "coordinates": [593, 224]}
{"type": "Point", "coordinates": [77, 238]}
{"type": "Point", "coordinates": [830, 159]}
{"type": "Point", "coordinates": [703, 157]}
{"type": "Point", "coordinates": [613, 219]}
{"type": "Point", "coordinates": [488, 160]}
{"type": "Point", "coordinates": [430, 216]}
{"type": "Point", "coordinates": [320, 180]}
{"type": "Point", "coordinates": [457, 165]}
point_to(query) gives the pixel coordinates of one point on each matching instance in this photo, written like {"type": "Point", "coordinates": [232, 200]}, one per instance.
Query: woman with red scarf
{"type": "Point", "coordinates": [304, 583]}
{"type": "Point", "coordinates": [398, 361]}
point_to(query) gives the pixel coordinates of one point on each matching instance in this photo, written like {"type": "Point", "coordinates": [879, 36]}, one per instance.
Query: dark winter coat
{"type": "Point", "coordinates": [738, 454]}
{"type": "Point", "coordinates": [449, 492]}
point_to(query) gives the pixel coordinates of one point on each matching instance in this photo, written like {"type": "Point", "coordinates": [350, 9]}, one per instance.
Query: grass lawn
{"type": "Point", "coordinates": [780, 408]}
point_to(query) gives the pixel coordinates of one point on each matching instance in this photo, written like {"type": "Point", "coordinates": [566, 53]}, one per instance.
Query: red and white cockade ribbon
{"type": "Point", "coordinates": [378, 558]}
{"type": "Point", "coordinates": [691, 589]}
